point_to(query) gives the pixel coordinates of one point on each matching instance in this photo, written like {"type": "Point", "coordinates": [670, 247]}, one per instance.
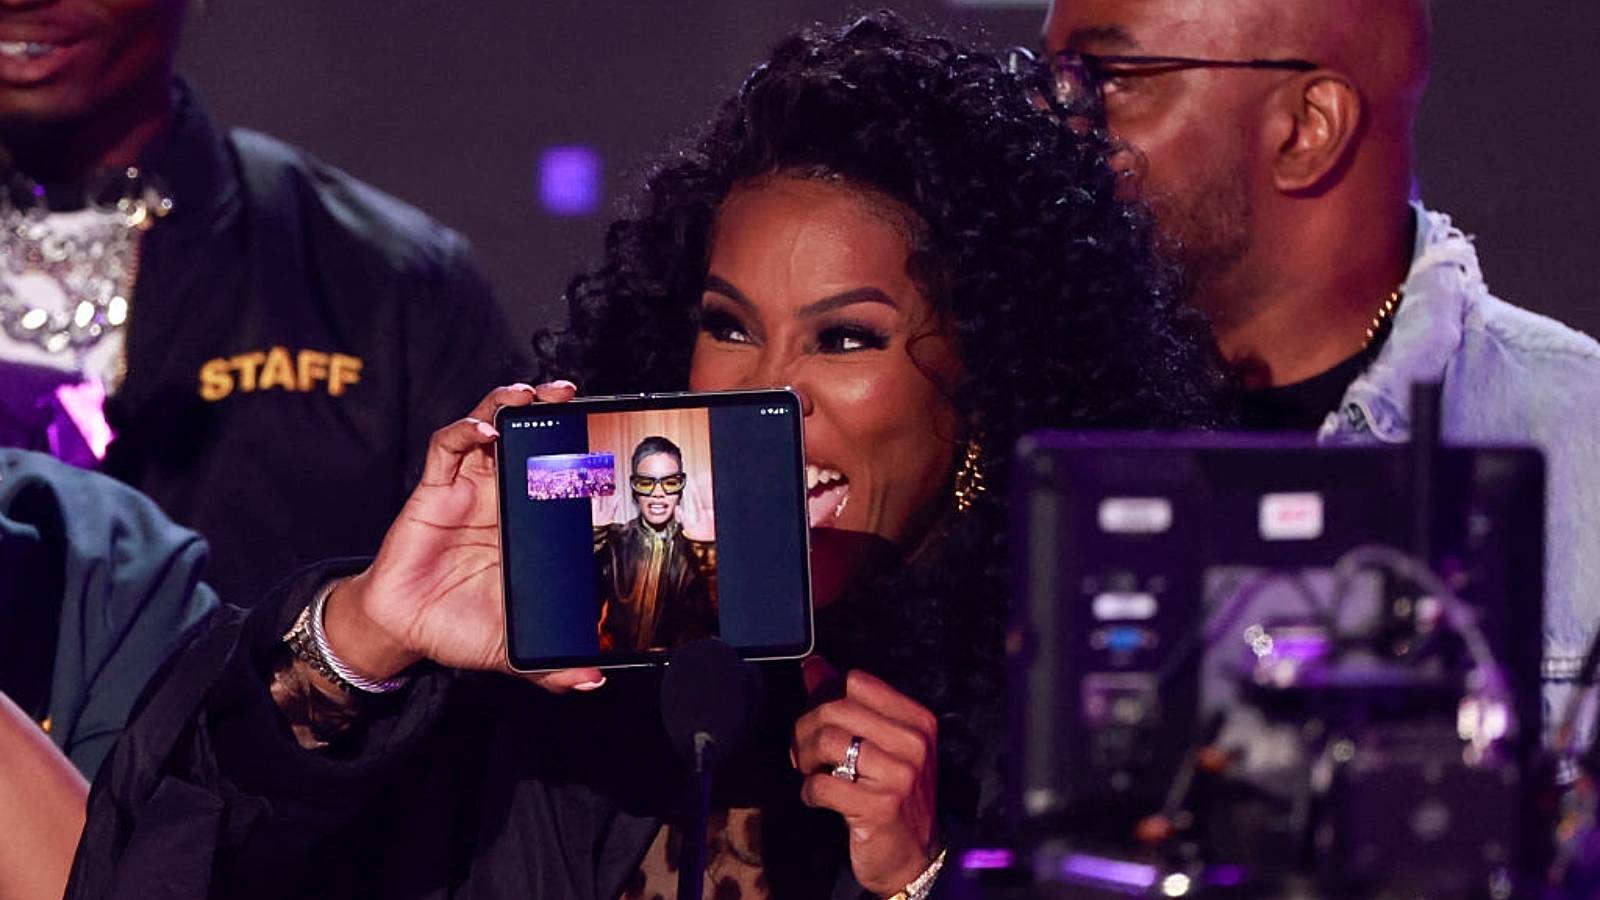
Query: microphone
{"type": "Point", "coordinates": [710, 700]}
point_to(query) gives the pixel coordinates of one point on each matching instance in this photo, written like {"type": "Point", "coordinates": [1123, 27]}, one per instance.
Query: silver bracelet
{"type": "Point", "coordinates": [921, 886]}
{"type": "Point", "coordinates": [319, 637]}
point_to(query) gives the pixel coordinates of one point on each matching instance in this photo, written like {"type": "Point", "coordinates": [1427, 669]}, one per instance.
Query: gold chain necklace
{"type": "Point", "coordinates": [1384, 314]}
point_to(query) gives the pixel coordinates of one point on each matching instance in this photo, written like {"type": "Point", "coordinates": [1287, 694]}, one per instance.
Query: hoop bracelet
{"type": "Point", "coordinates": [308, 640]}
{"type": "Point", "coordinates": [921, 886]}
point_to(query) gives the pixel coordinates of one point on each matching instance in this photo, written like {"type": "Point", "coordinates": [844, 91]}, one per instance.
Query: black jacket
{"type": "Point", "coordinates": [295, 337]}
{"type": "Point", "coordinates": [464, 786]}
{"type": "Point", "coordinates": [682, 607]}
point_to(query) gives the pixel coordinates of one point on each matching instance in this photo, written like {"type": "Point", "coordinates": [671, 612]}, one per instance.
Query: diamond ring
{"type": "Point", "coordinates": [852, 755]}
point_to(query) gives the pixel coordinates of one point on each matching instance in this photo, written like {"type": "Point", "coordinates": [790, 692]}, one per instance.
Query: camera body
{"type": "Point", "coordinates": [1229, 676]}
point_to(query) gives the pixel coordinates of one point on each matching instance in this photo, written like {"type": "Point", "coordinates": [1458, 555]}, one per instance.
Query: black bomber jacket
{"type": "Point", "coordinates": [295, 337]}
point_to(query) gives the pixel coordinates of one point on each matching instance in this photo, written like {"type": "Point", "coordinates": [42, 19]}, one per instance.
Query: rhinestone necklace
{"type": "Point", "coordinates": [94, 267]}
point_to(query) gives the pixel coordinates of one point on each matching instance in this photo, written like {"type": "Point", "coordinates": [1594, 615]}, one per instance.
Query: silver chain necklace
{"type": "Point", "coordinates": [93, 267]}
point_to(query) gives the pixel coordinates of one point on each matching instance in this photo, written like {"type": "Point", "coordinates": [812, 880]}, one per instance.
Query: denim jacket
{"type": "Point", "coordinates": [1510, 377]}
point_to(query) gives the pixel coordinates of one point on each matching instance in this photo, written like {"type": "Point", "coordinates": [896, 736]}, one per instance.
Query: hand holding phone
{"type": "Point", "coordinates": [434, 590]}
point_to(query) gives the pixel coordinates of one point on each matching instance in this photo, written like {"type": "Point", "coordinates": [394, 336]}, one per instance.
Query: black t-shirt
{"type": "Point", "coordinates": [1304, 405]}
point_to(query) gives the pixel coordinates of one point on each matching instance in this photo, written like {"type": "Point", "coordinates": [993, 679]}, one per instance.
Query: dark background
{"type": "Point", "coordinates": [450, 103]}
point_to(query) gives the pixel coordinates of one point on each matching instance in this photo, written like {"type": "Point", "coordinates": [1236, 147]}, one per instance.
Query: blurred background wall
{"type": "Point", "coordinates": [525, 123]}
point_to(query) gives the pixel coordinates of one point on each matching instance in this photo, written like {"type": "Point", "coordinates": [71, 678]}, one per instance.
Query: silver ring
{"type": "Point", "coordinates": [852, 755]}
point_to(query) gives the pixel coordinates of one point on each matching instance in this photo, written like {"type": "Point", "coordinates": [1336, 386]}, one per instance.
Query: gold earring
{"type": "Point", "coordinates": [969, 476]}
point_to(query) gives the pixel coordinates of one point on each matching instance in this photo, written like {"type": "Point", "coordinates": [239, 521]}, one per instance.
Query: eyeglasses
{"type": "Point", "coordinates": [1082, 77]}
{"type": "Point", "coordinates": [670, 484]}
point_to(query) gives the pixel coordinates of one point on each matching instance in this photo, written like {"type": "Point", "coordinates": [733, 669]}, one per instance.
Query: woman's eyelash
{"type": "Point", "coordinates": [850, 338]}
{"type": "Point", "coordinates": [841, 338]}
{"type": "Point", "coordinates": [723, 327]}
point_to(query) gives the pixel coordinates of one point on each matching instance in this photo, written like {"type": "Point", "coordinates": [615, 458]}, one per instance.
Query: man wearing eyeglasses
{"type": "Point", "coordinates": [657, 586]}
{"type": "Point", "coordinates": [1273, 140]}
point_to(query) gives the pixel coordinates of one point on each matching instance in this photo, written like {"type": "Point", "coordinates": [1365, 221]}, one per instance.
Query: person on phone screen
{"type": "Point", "coordinates": [657, 586]}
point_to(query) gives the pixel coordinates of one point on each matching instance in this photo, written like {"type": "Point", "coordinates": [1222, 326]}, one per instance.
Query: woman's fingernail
{"type": "Point", "coordinates": [589, 685]}
{"type": "Point", "coordinates": [520, 386]}
{"type": "Point", "coordinates": [562, 383]}
{"type": "Point", "coordinates": [487, 430]}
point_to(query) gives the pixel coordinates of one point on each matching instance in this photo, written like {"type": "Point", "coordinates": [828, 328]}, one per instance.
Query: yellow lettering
{"type": "Point", "coordinates": [343, 370]}
{"type": "Point", "coordinates": [311, 366]}
{"type": "Point", "coordinates": [277, 372]}
{"type": "Point", "coordinates": [247, 363]}
{"type": "Point", "coordinates": [215, 382]}
{"type": "Point", "coordinates": [278, 367]}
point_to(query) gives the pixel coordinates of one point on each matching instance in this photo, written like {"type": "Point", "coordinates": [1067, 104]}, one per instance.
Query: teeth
{"type": "Point", "coordinates": [817, 475]}
{"type": "Point", "coordinates": [30, 49]}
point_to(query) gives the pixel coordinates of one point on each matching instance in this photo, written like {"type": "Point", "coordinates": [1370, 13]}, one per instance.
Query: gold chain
{"type": "Point", "coordinates": [1385, 313]}
{"type": "Point", "coordinates": [969, 481]}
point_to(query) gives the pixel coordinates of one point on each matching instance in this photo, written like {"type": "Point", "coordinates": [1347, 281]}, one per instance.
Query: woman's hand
{"type": "Point", "coordinates": [889, 809]}
{"type": "Point", "coordinates": [434, 590]}
{"type": "Point", "coordinates": [697, 516]}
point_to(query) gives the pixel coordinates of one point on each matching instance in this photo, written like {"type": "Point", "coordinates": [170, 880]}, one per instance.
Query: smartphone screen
{"type": "Point", "coordinates": [632, 525]}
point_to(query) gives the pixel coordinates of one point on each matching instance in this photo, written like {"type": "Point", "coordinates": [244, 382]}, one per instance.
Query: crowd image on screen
{"type": "Point", "coordinates": [571, 476]}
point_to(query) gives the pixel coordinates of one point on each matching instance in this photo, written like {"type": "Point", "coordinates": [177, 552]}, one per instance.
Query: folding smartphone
{"type": "Point", "coordinates": [631, 525]}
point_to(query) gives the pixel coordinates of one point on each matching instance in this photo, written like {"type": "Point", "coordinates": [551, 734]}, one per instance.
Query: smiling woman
{"type": "Point", "coordinates": [807, 286]}
{"type": "Point", "coordinates": [920, 248]}
{"type": "Point", "coordinates": [908, 234]}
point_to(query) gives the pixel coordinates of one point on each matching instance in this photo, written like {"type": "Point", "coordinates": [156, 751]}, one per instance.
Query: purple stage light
{"type": "Point", "coordinates": [569, 181]}
{"type": "Point", "coordinates": [1113, 874]}
{"type": "Point", "coordinates": [987, 858]}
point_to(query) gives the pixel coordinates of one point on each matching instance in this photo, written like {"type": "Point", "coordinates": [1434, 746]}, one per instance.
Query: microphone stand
{"type": "Point", "coordinates": [692, 856]}
{"type": "Point", "coordinates": [710, 700]}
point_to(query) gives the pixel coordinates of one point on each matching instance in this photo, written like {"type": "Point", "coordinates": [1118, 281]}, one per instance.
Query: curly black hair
{"type": "Point", "coordinates": [1047, 278]}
